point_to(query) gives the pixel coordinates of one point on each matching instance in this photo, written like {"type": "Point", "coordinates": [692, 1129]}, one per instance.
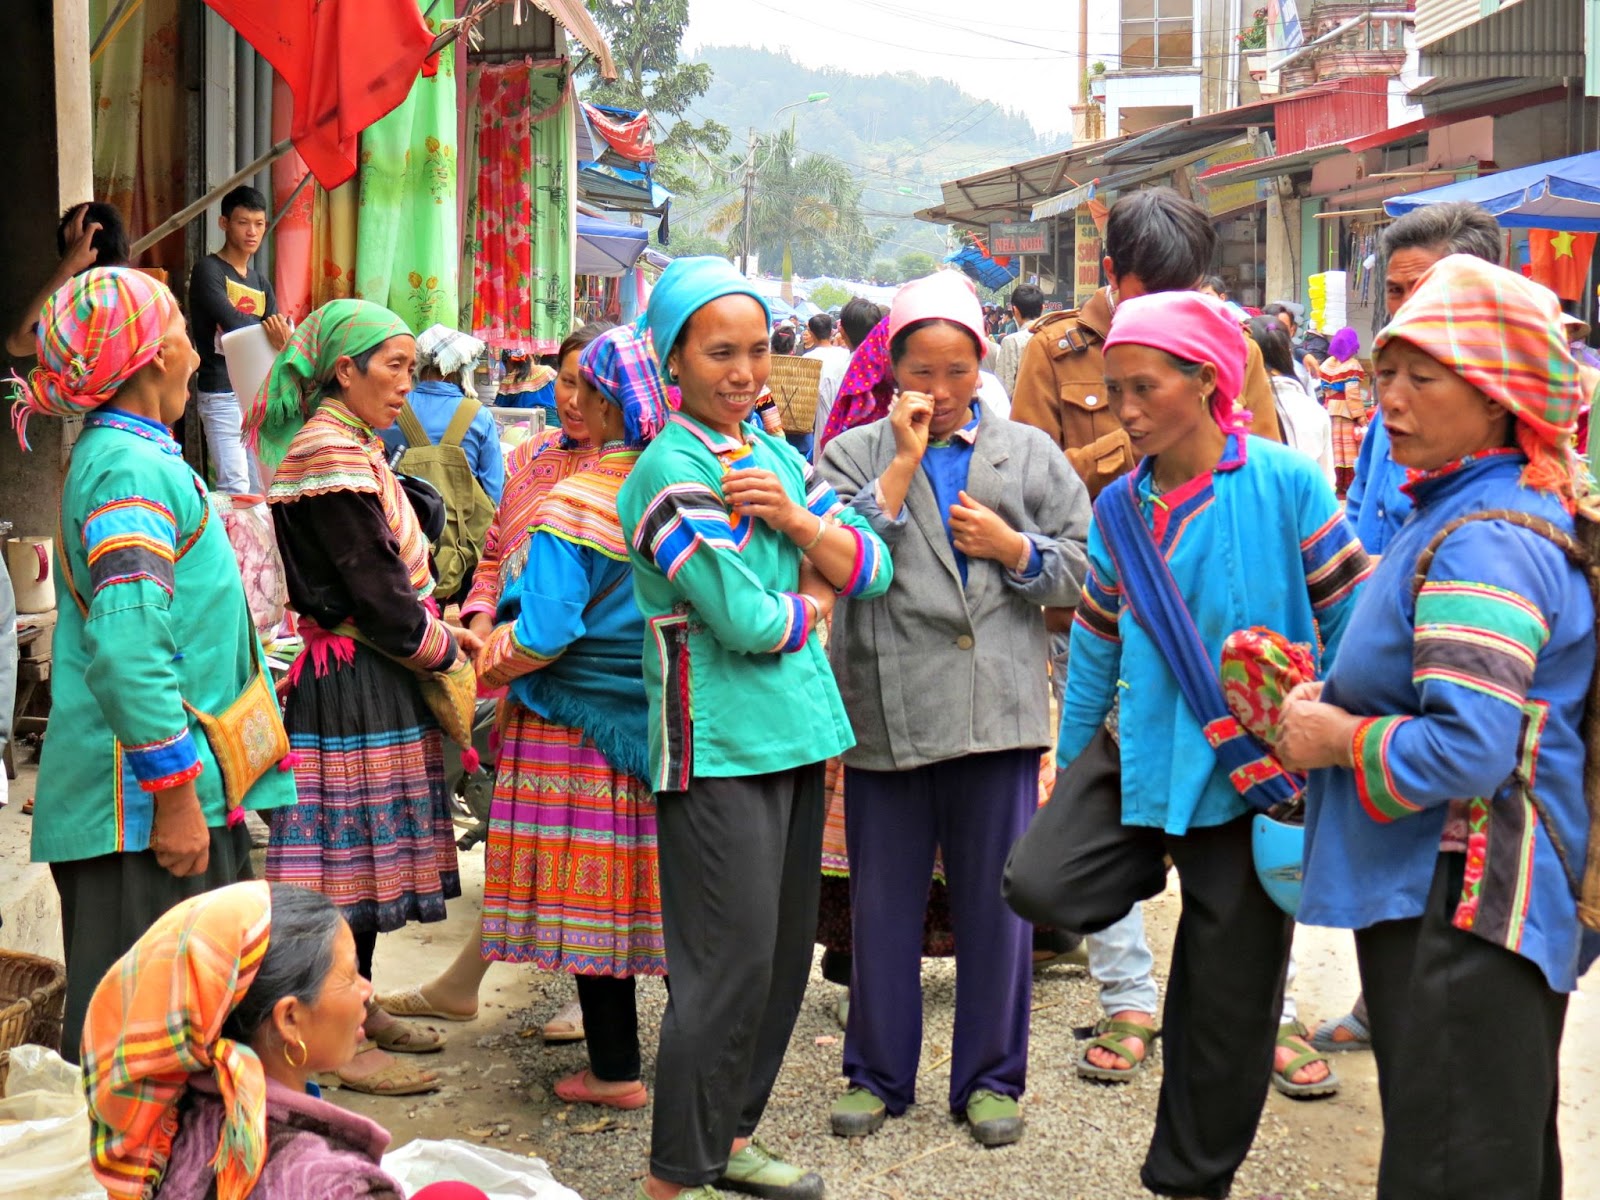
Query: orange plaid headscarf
{"type": "Point", "coordinates": [155, 1019]}
{"type": "Point", "coordinates": [1502, 334]}
{"type": "Point", "coordinates": [95, 332]}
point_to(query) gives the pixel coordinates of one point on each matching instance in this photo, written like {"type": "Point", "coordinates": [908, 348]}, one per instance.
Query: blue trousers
{"type": "Point", "coordinates": [973, 808]}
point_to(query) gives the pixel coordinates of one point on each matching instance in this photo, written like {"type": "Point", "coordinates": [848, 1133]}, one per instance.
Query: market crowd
{"type": "Point", "coordinates": [1310, 625]}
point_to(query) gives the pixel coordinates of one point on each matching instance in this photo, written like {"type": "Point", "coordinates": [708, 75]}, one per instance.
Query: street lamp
{"type": "Point", "coordinates": [750, 175]}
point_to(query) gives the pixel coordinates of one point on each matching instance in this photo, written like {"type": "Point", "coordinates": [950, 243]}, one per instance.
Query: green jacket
{"type": "Point", "coordinates": [167, 623]}
{"type": "Point", "coordinates": [738, 683]}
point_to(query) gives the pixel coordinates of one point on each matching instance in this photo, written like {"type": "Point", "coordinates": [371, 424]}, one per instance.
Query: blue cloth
{"type": "Point", "coordinates": [1457, 713]}
{"type": "Point", "coordinates": [1376, 503]}
{"type": "Point", "coordinates": [687, 285]}
{"type": "Point", "coordinates": [435, 401]}
{"type": "Point", "coordinates": [544, 398]}
{"type": "Point", "coordinates": [1258, 541]}
{"type": "Point", "coordinates": [946, 466]}
{"type": "Point", "coordinates": [596, 679]}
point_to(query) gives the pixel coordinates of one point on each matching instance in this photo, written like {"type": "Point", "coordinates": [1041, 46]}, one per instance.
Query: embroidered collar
{"type": "Point", "coordinates": [144, 427]}
{"type": "Point", "coordinates": [1421, 485]}
{"type": "Point", "coordinates": [339, 413]}
{"type": "Point", "coordinates": [717, 443]}
{"type": "Point", "coordinates": [1233, 457]}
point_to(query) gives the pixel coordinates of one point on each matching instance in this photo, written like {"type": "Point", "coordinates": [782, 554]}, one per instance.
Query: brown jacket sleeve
{"type": "Point", "coordinates": [1258, 395]}
{"type": "Point", "coordinates": [1035, 401]}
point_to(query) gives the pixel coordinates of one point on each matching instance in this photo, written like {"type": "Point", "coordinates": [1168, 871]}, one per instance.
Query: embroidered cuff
{"type": "Point", "coordinates": [868, 562]}
{"type": "Point", "coordinates": [800, 623]}
{"type": "Point", "coordinates": [1375, 785]}
{"type": "Point", "coordinates": [504, 658]}
{"type": "Point", "coordinates": [438, 648]}
{"type": "Point", "coordinates": [164, 764]}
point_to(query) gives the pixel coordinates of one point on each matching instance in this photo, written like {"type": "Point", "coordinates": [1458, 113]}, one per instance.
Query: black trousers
{"type": "Point", "coordinates": [109, 902]}
{"type": "Point", "coordinates": [610, 1025]}
{"type": "Point", "coordinates": [739, 885]}
{"type": "Point", "coordinates": [1466, 1035]}
{"type": "Point", "coordinates": [1225, 991]}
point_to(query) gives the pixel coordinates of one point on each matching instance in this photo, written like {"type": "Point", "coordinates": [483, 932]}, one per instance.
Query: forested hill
{"type": "Point", "coordinates": [901, 133]}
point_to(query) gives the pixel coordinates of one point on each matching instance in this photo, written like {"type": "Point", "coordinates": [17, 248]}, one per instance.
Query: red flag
{"type": "Point", "coordinates": [347, 63]}
{"type": "Point", "coordinates": [1560, 261]}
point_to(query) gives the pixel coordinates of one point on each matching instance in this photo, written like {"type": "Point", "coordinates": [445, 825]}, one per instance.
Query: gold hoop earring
{"type": "Point", "coordinates": [305, 1055]}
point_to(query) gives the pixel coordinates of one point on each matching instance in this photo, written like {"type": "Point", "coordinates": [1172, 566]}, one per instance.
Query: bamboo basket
{"type": "Point", "coordinates": [33, 996]}
{"type": "Point", "coordinates": [794, 383]}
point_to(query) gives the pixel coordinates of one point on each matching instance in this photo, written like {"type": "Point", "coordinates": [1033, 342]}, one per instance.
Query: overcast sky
{"type": "Point", "coordinates": [1020, 64]}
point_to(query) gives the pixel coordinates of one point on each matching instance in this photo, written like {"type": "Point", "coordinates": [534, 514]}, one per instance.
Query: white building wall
{"type": "Point", "coordinates": [1149, 91]}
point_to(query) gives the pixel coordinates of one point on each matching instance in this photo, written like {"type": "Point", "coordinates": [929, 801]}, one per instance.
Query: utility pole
{"type": "Point", "coordinates": [749, 195]}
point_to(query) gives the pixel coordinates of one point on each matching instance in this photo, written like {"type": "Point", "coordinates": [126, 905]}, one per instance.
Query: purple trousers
{"type": "Point", "coordinates": [972, 808]}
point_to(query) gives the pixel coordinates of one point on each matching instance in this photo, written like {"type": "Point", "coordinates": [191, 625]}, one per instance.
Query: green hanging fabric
{"type": "Point", "coordinates": [407, 247]}
{"type": "Point", "coordinates": [552, 207]}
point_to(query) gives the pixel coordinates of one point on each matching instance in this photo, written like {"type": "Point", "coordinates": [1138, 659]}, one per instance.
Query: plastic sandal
{"type": "Point", "coordinates": [404, 1037]}
{"type": "Point", "coordinates": [575, 1089]}
{"type": "Point", "coordinates": [1360, 1036]}
{"type": "Point", "coordinates": [566, 1025]}
{"type": "Point", "coordinates": [1111, 1035]}
{"type": "Point", "coordinates": [1283, 1077]}
{"type": "Point", "coordinates": [412, 1003]}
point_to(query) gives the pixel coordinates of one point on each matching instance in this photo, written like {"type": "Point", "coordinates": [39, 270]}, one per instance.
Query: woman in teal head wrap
{"type": "Point", "coordinates": [372, 828]}
{"type": "Point", "coordinates": [738, 554]}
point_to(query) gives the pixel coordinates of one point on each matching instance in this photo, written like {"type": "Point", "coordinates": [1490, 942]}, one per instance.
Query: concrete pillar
{"type": "Point", "coordinates": [48, 144]}
{"type": "Point", "coordinates": [1285, 279]}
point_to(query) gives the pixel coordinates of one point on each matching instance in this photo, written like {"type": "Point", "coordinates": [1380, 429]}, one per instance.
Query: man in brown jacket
{"type": "Point", "coordinates": [1156, 241]}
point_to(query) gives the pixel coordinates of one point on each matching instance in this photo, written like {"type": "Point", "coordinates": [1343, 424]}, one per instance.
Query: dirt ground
{"type": "Point", "coordinates": [498, 1075]}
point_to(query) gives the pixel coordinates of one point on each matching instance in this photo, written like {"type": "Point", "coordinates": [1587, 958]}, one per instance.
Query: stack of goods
{"type": "Point", "coordinates": [1329, 307]}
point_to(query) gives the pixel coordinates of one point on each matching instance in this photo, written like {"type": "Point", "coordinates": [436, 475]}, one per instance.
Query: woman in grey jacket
{"type": "Point", "coordinates": [944, 680]}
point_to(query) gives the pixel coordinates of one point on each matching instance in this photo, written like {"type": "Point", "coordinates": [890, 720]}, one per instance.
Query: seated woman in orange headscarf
{"type": "Point", "coordinates": [200, 1045]}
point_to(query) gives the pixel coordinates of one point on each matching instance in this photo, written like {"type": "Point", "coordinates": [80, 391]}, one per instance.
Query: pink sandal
{"type": "Point", "coordinates": [575, 1089]}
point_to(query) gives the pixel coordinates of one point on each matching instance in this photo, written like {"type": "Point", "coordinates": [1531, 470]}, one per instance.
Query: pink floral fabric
{"type": "Point", "coordinates": [502, 312]}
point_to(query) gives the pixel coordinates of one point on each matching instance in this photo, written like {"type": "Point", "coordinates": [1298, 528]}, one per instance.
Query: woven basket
{"type": "Point", "coordinates": [794, 383]}
{"type": "Point", "coordinates": [33, 995]}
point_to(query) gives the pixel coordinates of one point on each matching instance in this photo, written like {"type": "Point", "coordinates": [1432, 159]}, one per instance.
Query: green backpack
{"type": "Point", "coordinates": [468, 510]}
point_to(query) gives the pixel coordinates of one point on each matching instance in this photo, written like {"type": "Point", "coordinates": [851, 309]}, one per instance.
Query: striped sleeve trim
{"type": "Point", "coordinates": [798, 628]}
{"type": "Point", "coordinates": [130, 539]}
{"type": "Point", "coordinates": [165, 763]}
{"type": "Point", "coordinates": [1335, 562]}
{"type": "Point", "coordinates": [680, 520]}
{"type": "Point", "coordinates": [869, 561]}
{"type": "Point", "coordinates": [503, 658]}
{"type": "Point", "coordinates": [1478, 636]}
{"type": "Point", "coordinates": [437, 649]}
{"type": "Point", "coordinates": [821, 499]}
{"type": "Point", "coordinates": [1375, 785]}
{"type": "Point", "coordinates": [1099, 607]}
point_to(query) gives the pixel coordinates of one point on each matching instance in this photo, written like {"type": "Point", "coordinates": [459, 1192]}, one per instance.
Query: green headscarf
{"type": "Point", "coordinates": [294, 387]}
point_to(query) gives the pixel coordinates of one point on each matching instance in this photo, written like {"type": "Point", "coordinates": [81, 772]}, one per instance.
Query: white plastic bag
{"type": "Point", "coordinates": [43, 1123]}
{"type": "Point", "coordinates": [503, 1176]}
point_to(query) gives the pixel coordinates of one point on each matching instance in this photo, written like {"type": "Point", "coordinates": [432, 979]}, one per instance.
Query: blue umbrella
{"type": "Point", "coordinates": [1564, 194]}
{"type": "Point", "coordinates": [607, 248]}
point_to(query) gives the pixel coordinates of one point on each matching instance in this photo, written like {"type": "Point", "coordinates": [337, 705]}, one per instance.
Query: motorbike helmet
{"type": "Point", "coordinates": [1278, 848]}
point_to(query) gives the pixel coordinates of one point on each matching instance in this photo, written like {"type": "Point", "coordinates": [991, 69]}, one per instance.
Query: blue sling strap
{"type": "Point", "coordinates": [1157, 604]}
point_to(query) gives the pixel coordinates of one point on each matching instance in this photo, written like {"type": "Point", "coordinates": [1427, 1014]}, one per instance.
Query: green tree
{"type": "Point", "coordinates": [830, 295]}
{"type": "Point", "coordinates": [689, 245]}
{"type": "Point", "coordinates": [808, 204]}
{"type": "Point", "coordinates": [644, 36]}
{"type": "Point", "coordinates": [914, 264]}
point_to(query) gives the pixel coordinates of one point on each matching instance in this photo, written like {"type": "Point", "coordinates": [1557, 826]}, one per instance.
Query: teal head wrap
{"type": "Point", "coordinates": [685, 287]}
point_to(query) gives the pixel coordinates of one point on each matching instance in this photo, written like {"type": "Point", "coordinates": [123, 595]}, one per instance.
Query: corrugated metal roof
{"type": "Point", "coordinates": [1440, 18]}
{"type": "Point", "coordinates": [1318, 118]}
{"type": "Point", "coordinates": [534, 35]}
{"type": "Point", "coordinates": [1525, 39]}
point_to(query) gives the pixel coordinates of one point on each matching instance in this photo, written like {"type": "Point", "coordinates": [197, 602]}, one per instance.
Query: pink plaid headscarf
{"type": "Point", "coordinates": [867, 388]}
{"type": "Point", "coordinates": [95, 333]}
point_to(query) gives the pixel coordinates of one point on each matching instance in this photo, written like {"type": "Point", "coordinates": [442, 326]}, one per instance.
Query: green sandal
{"type": "Point", "coordinates": [1113, 1036]}
{"type": "Point", "coordinates": [1283, 1078]}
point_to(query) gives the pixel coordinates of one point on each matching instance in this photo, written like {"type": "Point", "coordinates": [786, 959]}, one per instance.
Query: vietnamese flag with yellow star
{"type": "Point", "coordinates": [1560, 260]}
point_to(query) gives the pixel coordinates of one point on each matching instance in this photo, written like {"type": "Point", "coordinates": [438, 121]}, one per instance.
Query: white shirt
{"type": "Point", "coordinates": [835, 362]}
{"type": "Point", "coordinates": [1306, 425]}
{"type": "Point", "coordinates": [992, 395]}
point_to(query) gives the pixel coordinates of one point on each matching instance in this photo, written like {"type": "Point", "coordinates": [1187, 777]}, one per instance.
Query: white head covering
{"type": "Point", "coordinates": [449, 350]}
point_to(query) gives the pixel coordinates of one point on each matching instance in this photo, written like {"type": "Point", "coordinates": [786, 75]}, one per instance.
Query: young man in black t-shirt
{"type": "Point", "coordinates": [225, 293]}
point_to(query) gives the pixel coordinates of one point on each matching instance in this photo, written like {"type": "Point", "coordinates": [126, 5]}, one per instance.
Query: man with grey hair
{"type": "Point", "coordinates": [1375, 505]}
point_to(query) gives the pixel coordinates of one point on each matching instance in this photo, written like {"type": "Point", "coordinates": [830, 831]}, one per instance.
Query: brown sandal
{"type": "Point", "coordinates": [406, 1037]}
{"type": "Point", "coordinates": [397, 1079]}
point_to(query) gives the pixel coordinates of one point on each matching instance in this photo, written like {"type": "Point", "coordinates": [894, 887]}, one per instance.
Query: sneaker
{"type": "Point", "coordinates": [857, 1113]}
{"type": "Point", "coordinates": [994, 1118]}
{"type": "Point", "coordinates": [755, 1171]}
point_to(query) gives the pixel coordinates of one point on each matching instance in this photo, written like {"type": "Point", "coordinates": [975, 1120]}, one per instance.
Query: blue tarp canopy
{"type": "Point", "coordinates": [1564, 194]}
{"type": "Point", "coordinates": [607, 248]}
{"type": "Point", "coordinates": [982, 268]}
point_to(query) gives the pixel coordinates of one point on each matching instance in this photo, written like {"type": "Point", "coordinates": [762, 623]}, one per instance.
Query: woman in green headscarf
{"type": "Point", "coordinates": [372, 827]}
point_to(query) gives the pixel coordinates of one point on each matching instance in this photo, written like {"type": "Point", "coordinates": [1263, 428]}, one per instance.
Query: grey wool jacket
{"type": "Point", "coordinates": [932, 671]}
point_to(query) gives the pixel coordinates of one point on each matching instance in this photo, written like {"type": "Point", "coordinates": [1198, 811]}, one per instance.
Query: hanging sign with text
{"type": "Point", "coordinates": [1019, 237]}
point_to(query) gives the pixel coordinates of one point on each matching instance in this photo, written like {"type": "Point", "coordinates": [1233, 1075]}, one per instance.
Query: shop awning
{"type": "Point", "coordinates": [572, 16]}
{"type": "Point", "coordinates": [607, 248]}
{"type": "Point", "coordinates": [975, 261]}
{"type": "Point", "coordinates": [1563, 194]}
{"type": "Point", "coordinates": [1010, 193]}
{"type": "Point", "coordinates": [1178, 138]}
